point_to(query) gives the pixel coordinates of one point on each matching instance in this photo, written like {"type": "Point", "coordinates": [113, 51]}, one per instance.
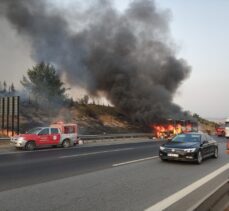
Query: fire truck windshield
{"type": "Point", "coordinates": [34, 130]}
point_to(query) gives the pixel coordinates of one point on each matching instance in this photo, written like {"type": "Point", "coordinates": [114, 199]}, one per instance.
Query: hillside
{"type": "Point", "coordinates": [91, 119]}
{"type": "Point", "coordinates": [206, 125]}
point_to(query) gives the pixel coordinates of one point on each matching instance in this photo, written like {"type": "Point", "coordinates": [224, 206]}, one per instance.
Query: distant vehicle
{"type": "Point", "coordinates": [220, 131]}
{"type": "Point", "coordinates": [58, 134]}
{"type": "Point", "coordinates": [227, 128]}
{"type": "Point", "coordinates": [170, 128]}
{"type": "Point", "coordinates": [189, 147]}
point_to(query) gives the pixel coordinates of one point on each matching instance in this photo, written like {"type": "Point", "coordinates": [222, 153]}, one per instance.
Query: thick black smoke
{"type": "Point", "coordinates": [125, 55]}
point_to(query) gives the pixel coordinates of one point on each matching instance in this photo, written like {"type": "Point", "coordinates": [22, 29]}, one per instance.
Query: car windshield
{"type": "Point", "coordinates": [187, 138]}
{"type": "Point", "coordinates": [34, 130]}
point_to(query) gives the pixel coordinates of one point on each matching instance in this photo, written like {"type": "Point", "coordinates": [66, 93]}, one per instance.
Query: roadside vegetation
{"type": "Point", "coordinates": [44, 85]}
{"type": "Point", "coordinates": [7, 90]}
{"type": "Point", "coordinates": [206, 125]}
{"type": "Point", "coordinates": [45, 100]}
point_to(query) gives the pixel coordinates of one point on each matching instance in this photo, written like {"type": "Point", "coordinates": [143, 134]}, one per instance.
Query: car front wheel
{"type": "Point", "coordinates": [215, 153]}
{"type": "Point", "coordinates": [199, 157]}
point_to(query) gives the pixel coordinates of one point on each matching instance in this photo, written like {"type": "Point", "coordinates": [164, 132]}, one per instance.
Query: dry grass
{"type": "Point", "coordinates": [91, 119]}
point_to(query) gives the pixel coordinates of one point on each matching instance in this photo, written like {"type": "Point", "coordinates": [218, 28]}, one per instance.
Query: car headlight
{"type": "Point", "coordinates": [162, 148]}
{"type": "Point", "coordinates": [20, 139]}
{"type": "Point", "coordinates": [190, 150]}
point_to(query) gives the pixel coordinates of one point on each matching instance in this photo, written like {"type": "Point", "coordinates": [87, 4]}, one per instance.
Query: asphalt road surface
{"type": "Point", "coordinates": [110, 177]}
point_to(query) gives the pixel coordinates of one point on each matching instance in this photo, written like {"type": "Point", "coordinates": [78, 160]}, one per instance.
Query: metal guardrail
{"type": "Point", "coordinates": [4, 139]}
{"type": "Point", "coordinates": [108, 136]}
{"type": "Point", "coordinates": [115, 136]}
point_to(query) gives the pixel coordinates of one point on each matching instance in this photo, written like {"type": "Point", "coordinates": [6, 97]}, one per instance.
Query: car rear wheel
{"type": "Point", "coordinates": [199, 157]}
{"type": "Point", "coordinates": [215, 153]}
{"type": "Point", "coordinates": [66, 143]}
{"type": "Point", "coordinates": [30, 146]}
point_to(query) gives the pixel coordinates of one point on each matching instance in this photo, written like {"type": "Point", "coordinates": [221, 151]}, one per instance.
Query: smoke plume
{"type": "Point", "coordinates": [125, 55]}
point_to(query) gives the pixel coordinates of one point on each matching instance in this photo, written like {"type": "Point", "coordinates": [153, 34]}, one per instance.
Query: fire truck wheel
{"type": "Point", "coordinates": [66, 143]}
{"type": "Point", "coordinates": [30, 146]}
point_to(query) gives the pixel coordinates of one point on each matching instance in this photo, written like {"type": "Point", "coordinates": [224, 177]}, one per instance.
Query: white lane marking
{"type": "Point", "coordinates": [134, 161]}
{"type": "Point", "coordinates": [35, 151]}
{"type": "Point", "coordinates": [95, 153]}
{"type": "Point", "coordinates": [165, 203]}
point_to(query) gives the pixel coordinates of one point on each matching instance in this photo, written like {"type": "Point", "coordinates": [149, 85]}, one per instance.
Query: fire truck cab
{"type": "Point", "coordinates": [57, 134]}
{"type": "Point", "coordinates": [220, 130]}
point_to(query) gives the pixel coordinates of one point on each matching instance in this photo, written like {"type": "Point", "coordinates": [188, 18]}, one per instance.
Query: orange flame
{"type": "Point", "coordinates": [166, 130]}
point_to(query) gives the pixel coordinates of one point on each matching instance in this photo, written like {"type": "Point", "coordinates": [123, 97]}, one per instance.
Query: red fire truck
{"type": "Point", "coordinates": [220, 131]}
{"type": "Point", "coordinates": [57, 134]}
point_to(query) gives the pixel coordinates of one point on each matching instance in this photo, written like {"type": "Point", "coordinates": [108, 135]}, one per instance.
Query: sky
{"type": "Point", "coordinates": [200, 31]}
{"type": "Point", "coordinates": [200, 28]}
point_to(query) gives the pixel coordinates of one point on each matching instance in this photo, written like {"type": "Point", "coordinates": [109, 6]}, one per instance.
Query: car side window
{"type": "Point", "coordinates": [203, 138]}
{"type": "Point", "coordinates": [54, 131]}
{"type": "Point", "coordinates": [209, 138]}
{"type": "Point", "coordinates": [44, 132]}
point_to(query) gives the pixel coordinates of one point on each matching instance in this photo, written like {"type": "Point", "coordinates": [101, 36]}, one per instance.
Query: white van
{"type": "Point", "coordinates": [227, 128]}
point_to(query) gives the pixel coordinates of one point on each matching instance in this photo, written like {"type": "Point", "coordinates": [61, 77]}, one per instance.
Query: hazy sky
{"type": "Point", "coordinates": [200, 30]}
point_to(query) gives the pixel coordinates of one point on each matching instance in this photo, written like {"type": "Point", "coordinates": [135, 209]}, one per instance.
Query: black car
{"type": "Point", "coordinates": [189, 147]}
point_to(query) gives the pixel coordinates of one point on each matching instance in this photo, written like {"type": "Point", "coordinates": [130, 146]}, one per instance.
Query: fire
{"type": "Point", "coordinates": [166, 130]}
{"type": "Point", "coordinates": [170, 129]}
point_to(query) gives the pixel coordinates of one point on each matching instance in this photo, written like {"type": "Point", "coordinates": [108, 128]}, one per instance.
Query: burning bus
{"type": "Point", "coordinates": [170, 128]}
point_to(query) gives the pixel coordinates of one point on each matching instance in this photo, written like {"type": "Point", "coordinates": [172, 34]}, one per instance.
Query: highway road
{"type": "Point", "coordinates": [110, 177]}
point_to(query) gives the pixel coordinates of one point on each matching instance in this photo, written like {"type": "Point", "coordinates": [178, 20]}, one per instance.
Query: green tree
{"type": "Point", "coordinates": [196, 116]}
{"type": "Point", "coordinates": [12, 88]}
{"type": "Point", "coordinates": [44, 84]}
{"type": "Point", "coordinates": [1, 87]}
{"type": "Point", "coordinates": [84, 100]}
{"type": "Point", "coordinates": [4, 86]}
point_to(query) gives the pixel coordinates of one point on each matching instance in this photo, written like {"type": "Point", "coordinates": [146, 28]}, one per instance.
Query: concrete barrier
{"type": "Point", "coordinates": [116, 136]}
{"type": "Point", "coordinates": [106, 136]}
{"type": "Point", "coordinates": [101, 138]}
